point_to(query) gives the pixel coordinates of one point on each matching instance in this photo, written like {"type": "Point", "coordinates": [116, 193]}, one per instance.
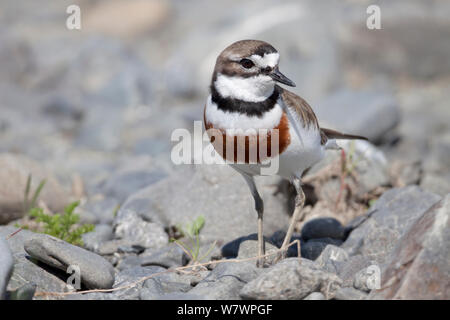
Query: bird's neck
{"type": "Point", "coordinates": [252, 95]}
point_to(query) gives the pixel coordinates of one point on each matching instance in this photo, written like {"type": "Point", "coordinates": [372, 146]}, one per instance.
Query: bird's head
{"type": "Point", "coordinates": [248, 70]}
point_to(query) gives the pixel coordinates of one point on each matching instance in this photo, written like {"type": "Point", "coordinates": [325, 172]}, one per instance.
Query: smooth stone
{"type": "Point", "coordinates": [313, 248]}
{"type": "Point", "coordinates": [350, 117]}
{"type": "Point", "coordinates": [323, 228]}
{"type": "Point", "coordinates": [14, 171]}
{"type": "Point", "coordinates": [134, 230]}
{"type": "Point", "coordinates": [164, 284]}
{"type": "Point", "coordinates": [392, 215]}
{"type": "Point", "coordinates": [349, 293]}
{"type": "Point", "coordinates": [226, 280]}
{"type": "Point", "coordinates": [291, 279]}
{"type": "Point", "coordinates": [184, 196]}
{"type": "Point", "coordinates": [315, 296]}
{"type": "Point", "coordinates": [95, 271]}
{"type": "Point", "coordinates": [168, 257]}
{"type": "Point", "coordinates": [93, 240]}
{"type": "Point", "coordinates": [6, 266]}
{"type": "Point", "coordinates": [347, 269]}
{"type": "Point", "coordinates": [418, 267]}
{"type": "Point", "coordinates": [26, 271]}
{"type": "Point", "coordinates": [132, 279]}
{"type": "Point", "coordinates": [330, 257]}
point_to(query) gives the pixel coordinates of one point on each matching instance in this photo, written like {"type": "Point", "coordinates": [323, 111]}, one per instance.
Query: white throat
{"type": "Point", "coordinates": [252, 89]}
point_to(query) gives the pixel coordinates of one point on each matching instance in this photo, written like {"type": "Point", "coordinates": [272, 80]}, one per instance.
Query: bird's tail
{"type": "Point", "coordinates": [332, 134]}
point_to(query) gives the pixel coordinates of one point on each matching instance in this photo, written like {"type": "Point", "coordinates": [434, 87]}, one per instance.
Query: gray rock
{"type": "Point", "coordinates": [165, 284]}
{"type": "Point", "coordinates": [349, 293]}
{"type": "Point", "coordinates": [226, 280]}
{"type": "Point", "coordinates": [323, 228]}
{"type": "Point", "coordinates": [173, 296]}
{"type": "Point", "coordinates": [93, 240]}
{"type": "Point", "coordinates": [126, 182]}
{"type": "Point", "coordinates": [167, 257]}
{"type": "Point", "coordinates": [315, 296]}
{"type": "Point", "coordinates": [134, 230]}
{"type": "Point", "coordinates": [362, 279]}
{"type": "Point", "coordinates": [14, 171]}
{"type": "Point", "coordinates": [27, 272]}
{"type": "Point", "coordinates": [291, 279]}
{"type": "Point", "coordinates": [186, 195]}
{"type": "Point", "coordinates": [25, 292]}
{"type": "Point", "coordinates": [330, 257]}
{"type": "Point", "coordinates": [246, 247]}
{"type": "Point", "coordinates": [95, 271]}
{"type": "Point", "coordinates": [313, 248]}
{"type": "Point", "coordinates": [128, 262]}
{"type": "Point", "coordinates": [347, 269]}
{"type": "Point", "coordinates": [417, 268]}
{"type": "Point", "coordinates": [393, 213]}
{"type": "Point", "coordinates": [436, 183]}
{"type": "Point", "coordinates": [356, 112]}
{"type": "Point", "coordinates": [100, 211]}
{"type": "Point", "coordinates": [6, 266]}
{"type": "Point", "coordinates": [132, 281]}
{"type": "Point", "coordinates": [249, 249]}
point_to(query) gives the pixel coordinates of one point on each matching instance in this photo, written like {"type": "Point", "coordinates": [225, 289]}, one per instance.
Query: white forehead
{"type": "Point", "coordinates": [268, 60]}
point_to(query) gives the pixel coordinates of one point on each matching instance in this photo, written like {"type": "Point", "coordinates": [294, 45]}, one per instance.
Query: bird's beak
{"type": "Point", "coordinates": [281, 78]}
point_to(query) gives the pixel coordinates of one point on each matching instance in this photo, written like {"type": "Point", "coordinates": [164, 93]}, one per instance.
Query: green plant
{"type": "Point", "coordinates": [191, 231]}
{"type": "Point", "coordinates": [63, 226]}
{"type": "Point", "coordinates": [31, 203]}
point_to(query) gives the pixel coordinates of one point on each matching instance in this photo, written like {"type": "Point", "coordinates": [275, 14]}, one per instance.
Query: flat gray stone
{"type": "Point", "coordinates": [226, 280]}
{"type": "Point", "coordinates": [323, 228]}
{"type": "Point", "coordinates": [6, 266]}
{"type": "Point", "coordinates": [418, 267]}
{"type": "Point", "coordinates": [393, 214]}
{"type": "Point", "coordinates": [349, 293]}
{"type": "Point", "coordinates": [182, 197]}
{"type": "Point", "coordinates": [331, 257]}
{"type": "Point", "coordinates": [315, 296]}
{"type": "Point", "coordinates": [29, 272]}
{"type": "Point", "coordinates": [95, 271]}
{"type": "Point", "coordinates": [93, 240]}
{"type": "Point", "coordinates": [132, 280]}
{"type": "Point", "coordinates": [354, 112]}
{"type": "Point", "coordinates": [292, 280]}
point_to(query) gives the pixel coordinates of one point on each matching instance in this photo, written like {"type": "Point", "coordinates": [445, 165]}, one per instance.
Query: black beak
{"type": "Point", "coordinates": [281, 78]}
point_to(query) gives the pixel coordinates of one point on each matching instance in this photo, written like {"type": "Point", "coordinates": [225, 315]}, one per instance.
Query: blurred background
{"type": "Point", "coordinates": [93, 104]}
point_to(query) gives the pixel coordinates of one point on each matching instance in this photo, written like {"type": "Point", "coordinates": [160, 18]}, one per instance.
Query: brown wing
{"type": "Point", "coordinates": [300, 106]}
{"type": "Point", "coordinates": [326, 134]}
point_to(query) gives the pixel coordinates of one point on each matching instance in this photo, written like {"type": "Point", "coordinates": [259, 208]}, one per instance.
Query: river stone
{"type": "Point", "coordinates": [393, 214]}
{"type": "Point", "coordinates": [349, 293]}
{"type": "Point", "coordinates": [226, 280]}
{"type": "Point", "coordinates": [291, 279]}
{"type": "Point", "coordinates": [95, 271]}
{"type": "Point", "coordinates": [182, 197]}
{"type": "Point", "coordinates": [14, 171]}
{"type": "Point", "coordinates": [6, 266]}
{"type": "Point", "coordinates": [26, 272]}
{"type": "Point", "coordinates": [418, 267]}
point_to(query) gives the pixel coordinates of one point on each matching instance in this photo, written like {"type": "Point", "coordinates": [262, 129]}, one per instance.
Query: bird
{"type": "Point", "coordinates": [247, 109]}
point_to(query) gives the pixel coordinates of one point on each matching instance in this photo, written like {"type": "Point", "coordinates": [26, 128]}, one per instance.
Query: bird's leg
{"type": "Point", "coordinates": [259, 206]}
{"type": "Point", "coordinates": [297, 215]}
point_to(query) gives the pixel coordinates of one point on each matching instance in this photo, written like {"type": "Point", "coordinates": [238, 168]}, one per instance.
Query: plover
{"type": "Point", "coordinates": [246, 103]}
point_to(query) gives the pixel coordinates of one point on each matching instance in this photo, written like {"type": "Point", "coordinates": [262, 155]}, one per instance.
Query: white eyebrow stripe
{"type": "Point", "coordinates": [268, 60]}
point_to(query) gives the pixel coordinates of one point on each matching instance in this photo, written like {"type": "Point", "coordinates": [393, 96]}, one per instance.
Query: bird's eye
{"type": "Point", "coordinates": [247, 63]}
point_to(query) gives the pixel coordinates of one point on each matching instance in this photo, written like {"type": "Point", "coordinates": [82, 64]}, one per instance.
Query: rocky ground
{"type": "Point", "coordinates": [92, 113]}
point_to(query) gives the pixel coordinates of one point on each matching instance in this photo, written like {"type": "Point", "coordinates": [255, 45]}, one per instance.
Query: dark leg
{"type": "Point", "coordinates": [299, 202]}
{"type": "Point", "coordinates": [259, 206]}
